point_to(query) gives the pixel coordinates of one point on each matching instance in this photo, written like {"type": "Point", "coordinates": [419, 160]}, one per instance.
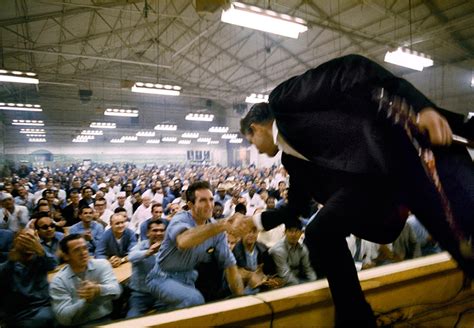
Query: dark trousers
{"type": "Point", "coordinates": [369, 207]}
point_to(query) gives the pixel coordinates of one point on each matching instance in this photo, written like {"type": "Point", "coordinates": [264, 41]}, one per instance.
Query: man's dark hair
{"type": "Point", "coordinates": [82, 208]}
{"type": "Point", "coordinates": [100, 199]}
{"type": "Point", "coordinates": [39, 215]}
{"type": "Point", "coordinates": [191, 192]}
{"type": "Point", "coordinates": [259, 113]}
{"type": "Point", "coordinates": [240, 208]}
{"type": "Point", "coordinates": [156, 205]}
{"type": "Point", "coordinates": [157, 221]}
{"type": "Point", "coordinates": [119, 209]}
{"type": "Point", "coordinates": [63, 243]}
{"type": "Point", "coordinates": [85, 188]}
{"type": "Point", "coordinates": [47, 191]}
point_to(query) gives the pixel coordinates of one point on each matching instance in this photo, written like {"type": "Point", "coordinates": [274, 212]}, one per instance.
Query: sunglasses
{"type": "Point", "coordinates": [46, 227]}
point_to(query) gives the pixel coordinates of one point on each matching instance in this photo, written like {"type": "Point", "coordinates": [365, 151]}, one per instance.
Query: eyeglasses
{"type": "Point", "coordinates": [46, 227]}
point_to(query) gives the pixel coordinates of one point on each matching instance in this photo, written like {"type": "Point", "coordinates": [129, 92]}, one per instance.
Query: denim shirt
{"type": "Point", "coordinates": [69, 308]}
{"type": "Point", "coordinates": [97, 231]}
{"type": "Point", "coordinates": [141, 265]}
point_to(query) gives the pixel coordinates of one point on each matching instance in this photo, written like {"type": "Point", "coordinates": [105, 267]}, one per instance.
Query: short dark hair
{"type": "Point", "coordinates": [100, 199]}
{"type": "Point", "coordinates": [63, 243]}
{"type": "Point", "coordinates": [259, 113]}
{"type": "Point", "coordinates": [82, 208]}
{"type": "Point", "coordinates": [39, 215]}
{"type": "Point", "coordinates": [120, 209]}
{"type": "Point", "coordinates": [158, 221]}
{"type": "Point", "coordinates": [191, 191]}
{"type": "Point", "coordinates": [240, 208]}
{"type": "Point", "coordinates": [156, 205]}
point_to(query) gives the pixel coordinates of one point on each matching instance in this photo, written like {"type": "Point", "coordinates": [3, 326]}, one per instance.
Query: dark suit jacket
{"type": "Point", "coordinates": [108, 246]}
{"type": "Point", "coordinates": [327, 114]}
{"type": "Point", "coordinates": [68, 214]}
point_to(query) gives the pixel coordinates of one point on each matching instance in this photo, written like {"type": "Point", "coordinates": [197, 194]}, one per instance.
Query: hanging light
{"type": "Point", "coordinates": [92, 132]}
{"type": "Point", "coordinates": [21, 107]}
{"type": "Point", "coordinates": [256, 98]}
{"type": "Point", "coordinates": [184, 142]}
{"type": "Point", "coordinates": [103, 125]}
{"type": "Point", "coordinates": [33, 131]}
{"type": "Point", "coordinates": [121, 112]}
{"type": "Point", "coordinates": [145, 134]}
{"type": "Point", "coordinates": [169, 139]}
{"type": "Point", "coordinates": [28, 122]}
{"type": "Point", "coordinates": [229, 136]}
{"type": "Point", "coordinates": [117, 141]}
{"type": "Point", "coordinates": [153, 141]}
{"type": "Point", "coordinates": [408, 58]}
{"type": "Point", "coordinates": [157, 89]}
{"type": "Point", "coordinates": [166, 127]}
{"type": "Point", "coordinates": [219, 129]}
{"type": "Point", "coordinates": [129, 138]}
{"type": "Point", "coordinates": [199, 117]}
{"type": "Point", "coordinates": [263, 20]}
{"type": "Point", "coordinates": [190, 135]}
{"type": "Point", "coordinates": [37, 140]}
{"type": "Point", "coordinates": [18, 77]}
{"type": "Point", "coordinates": [235, 140]}
{"type": "Point", "coordinates": [204, 140]}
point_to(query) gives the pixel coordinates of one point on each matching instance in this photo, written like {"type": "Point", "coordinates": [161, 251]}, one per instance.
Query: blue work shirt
{"type": "Point", "coordinates": [172, 259]}
{"type": "Point", "coordinates": [141, 265]}
{"type": "Point", "coordinates": [96, 229]}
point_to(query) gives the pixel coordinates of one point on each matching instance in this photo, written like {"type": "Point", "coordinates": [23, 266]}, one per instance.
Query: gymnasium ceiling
{"type": "Point", "coordinates": [103, 46]}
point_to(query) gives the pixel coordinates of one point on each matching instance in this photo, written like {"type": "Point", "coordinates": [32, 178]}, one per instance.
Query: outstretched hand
{"type": "Point", "coordinates": [239, 225]}
{"type": "Point", "coordinates": [437, 127]}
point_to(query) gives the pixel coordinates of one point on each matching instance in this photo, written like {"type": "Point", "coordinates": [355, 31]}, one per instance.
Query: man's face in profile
{"type": "Point", "coordinates": [262, 138]}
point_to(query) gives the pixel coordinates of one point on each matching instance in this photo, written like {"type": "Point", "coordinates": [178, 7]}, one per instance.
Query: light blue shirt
{"type": "Point", "coordinates": [141, 265]}
{"type": "Point", "coordinates": [172, 259]}
{"type": "Point", "coordinates": [69, 308]}
{"type": "Point", "coordinates": [96, 229]}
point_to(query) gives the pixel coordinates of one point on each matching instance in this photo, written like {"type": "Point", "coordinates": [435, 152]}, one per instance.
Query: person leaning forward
{"type": "Point", "coordinates": [341, 153]}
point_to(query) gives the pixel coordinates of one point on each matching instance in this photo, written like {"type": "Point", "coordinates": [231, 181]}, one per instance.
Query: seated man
{"type": "Point", "coordinates": [254, 262]}
{"type": "Point", "coordinates": [90, 230]}
{"type": "Point", "coordinates": [49, 237]}
{"type": "Point", "coordinates": [156, 214]}
{"type": "Point", "coordinates": [71, 211]}
{"type": "Point", "coordinates": [116, 242]}
{"type": "Point", "coordinates": [190, 239]}
{"type": "Point", "coordinates": [82, 291]}
{"type": "Point", "coordinates": [143, 258]}
{"type": "Point", "coordinates": [292, 258]}
{"type": "Point", "coordinates": [12, 217]}
{"type": "Point", "coordinates": [101, 213]}
{"type": "Point", "coordinates": [24, 284]}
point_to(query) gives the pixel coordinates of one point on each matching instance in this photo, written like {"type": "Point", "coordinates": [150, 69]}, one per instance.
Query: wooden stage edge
{"type": "Point", "coordinates": [399, 294]}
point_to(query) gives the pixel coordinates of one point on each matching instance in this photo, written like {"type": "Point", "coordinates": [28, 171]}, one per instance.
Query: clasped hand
{"type": "Point", "coordinates": [436, 126]}
{"type": "Point", "coordinates": [88, 290]}
{"type": "Point", "coordinates": [239, 225]}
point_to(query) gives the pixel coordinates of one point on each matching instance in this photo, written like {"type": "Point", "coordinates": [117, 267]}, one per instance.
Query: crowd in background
{"type": "Point", "coordinates": [93, 218]}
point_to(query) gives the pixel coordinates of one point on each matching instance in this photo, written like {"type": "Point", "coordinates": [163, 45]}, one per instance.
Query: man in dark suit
{"type": "Point", "coordinates": [341, 153]}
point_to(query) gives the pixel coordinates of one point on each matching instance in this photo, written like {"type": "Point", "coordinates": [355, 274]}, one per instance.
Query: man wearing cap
{"type": "Point", "coordinates": [13, 217]}
{"type": "Point", "coordinates": [221, 195]}
{"type": "Point", "coordinates": [122, 202]}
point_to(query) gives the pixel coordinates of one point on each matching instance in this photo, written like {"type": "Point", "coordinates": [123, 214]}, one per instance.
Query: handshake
{"type": "Point", "coordinates": [239, 225]}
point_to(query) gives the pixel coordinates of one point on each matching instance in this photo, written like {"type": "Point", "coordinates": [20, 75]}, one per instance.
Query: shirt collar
{"type": "Point", "coordinates": [275, 134]}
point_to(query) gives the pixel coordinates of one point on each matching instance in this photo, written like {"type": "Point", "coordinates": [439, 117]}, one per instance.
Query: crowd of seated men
{"type": "Point", "coordinates": [169, 223]}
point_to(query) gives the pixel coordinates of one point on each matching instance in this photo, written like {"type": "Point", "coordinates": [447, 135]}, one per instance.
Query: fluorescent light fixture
{"type": "Point", "coordinates": [219, 129]}
{"type": "Point", "coordinates": [200, 117]}
{"type": "Point", "coordinates": [75, 140]}
{"type": "Point", "coordinates": [256, 98]}
{"type": "Point", "coordinates": [166, 127]}
{"type": "Point", "coordinates": [18, 77]}
{"type": "Point", "coordinates": [229, 136]}
{"type": "Point", "coordinates": [204, 140]}
{"type": "Point", "coordinates": [34, 135]}
{"type": "Point", "coordinates": [84, 137]}
{"type": "Point", "coordinates": [153, 141]}
{"type": "Point", "coordinates": [129, 138]}
{"type": "Point", "coordinates": [236, 140]}
{"type": "Point", "coordinates": [263, 20]}
{"type": "Point", "coordinates": [35, 131]}
{"type": "Point", "coordinates": [214, 142]}
{"type": "Point", "coordinates": [37, 140]}
{"type": "Point", "coordinates": [470, 115]}
{"type": "Point", "coordinates": [157, 89]}
{"type": "Point", "coordinates": [472, 82]}
{"type": "Point", "coordinates": [103, 125]}
{"type": "Point", "coordinates": [408, 58]}
{"type": "Point", "coordinates": [117, 141]}
{"type": "Point", "coordinates": [190, 135]}
{"type": "Point", "coordinates": [92, 132]}
{"type": "Point", "coordinates": [145, 134]}
{"type": "Point", "coordinates": [169, 139]}
{"type": "Point", "coordinates": [184, 142]}
{"type": "Point", "coordinates": [22, 107]}
{"type": "Point", "coordinates": [28, 122]}
{"type": "Point", "coordinates": [121, 112]}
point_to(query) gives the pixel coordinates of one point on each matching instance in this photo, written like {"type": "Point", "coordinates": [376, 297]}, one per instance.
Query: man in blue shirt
{"type": "Point", "coordinates": [156, 214]}
{"type": "Point", "coordinates": [24, 284]}
{"type": "Point", "coordinates": [49, 237]}
{"type": "Point", "coordinates": [143, 258]}
{"type": "Point", "coordinates": [82, 291]}
{"type": "Point", "coordinates": [116, 242]}
{"type": "Point", "coordinates": [191, 237]}
{"type": "Point", "coordinates": [89, 229]}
